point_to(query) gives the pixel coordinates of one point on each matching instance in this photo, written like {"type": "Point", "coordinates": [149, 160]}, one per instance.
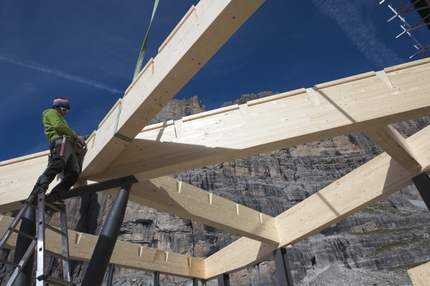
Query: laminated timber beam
{"type": "Point", "coordinates": [382, 176]}
{"type": "Point", "coordinates": [164, 193]}
{"type": "Point", "coordinates": [392, 142]}
{"type": "Point", "coordinates": [348, 105]}
{"type": "Point", "coordinates": [128, 255]}
{"type": "Point", "coordinates": [371, 182]}
{"type": "Point", "coordinates": [201, 32]}
{"type": "Point", "coordinates": [186, 201]}
{"type": "Point", "coordinates": [330, 109]}
{"type": "Point", "coordinates": [420, 275]}
{"type": "Point", "coordinates": [168, 195]}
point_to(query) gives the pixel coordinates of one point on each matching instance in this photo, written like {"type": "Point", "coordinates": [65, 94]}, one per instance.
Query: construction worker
{"type": "Point", "coordinates": [61, 159]}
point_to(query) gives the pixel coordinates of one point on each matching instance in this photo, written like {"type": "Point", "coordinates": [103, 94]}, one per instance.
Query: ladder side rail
{"type": "Point", "coordinates": [15, 221]}
{"type": "Point", "coordinates": [40, 269]}
{"type": "Point", "coordinates": [21, 263]}
{"type": "Point", "coordinates": [65, 247]}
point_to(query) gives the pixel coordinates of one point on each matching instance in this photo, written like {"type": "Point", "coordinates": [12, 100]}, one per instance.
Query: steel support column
{"type": "Point", "coordinates": [28, 226]}
{"type": "Point", "coordinates": [283, 269]}
{"type": "Point", "coordinates": [422, 182]}
{"type": "Point", "coordinates": [107, 239]}
{"type": "Point", "coordinates": [110, 274]}
{"type": "Point", "coordinates": [224, 280]}
{"type": "Point", "coordinates": [157, 278]}
{"type": "Point", "coordinates": [195, 282]}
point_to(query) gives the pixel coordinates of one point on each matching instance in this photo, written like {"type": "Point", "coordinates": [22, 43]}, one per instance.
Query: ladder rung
{"type": "Point", "coordinates": [25, 234]}
{"type": "Point", "coordinates": [54, 207]}
{"type": "Point", "coordinates": [55, 230]}
{"type": "Point", "coordinates": [33, 206]}
{"type": "Point", "coordinates": [56, 281]}
{"type": "Point", "coordinates": [10, 263]}
{"type": "Point", "coordinates": [50, 253]}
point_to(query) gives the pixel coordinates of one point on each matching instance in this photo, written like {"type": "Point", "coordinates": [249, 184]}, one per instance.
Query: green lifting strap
{"type": "Point", "coordinates": [145, 41]}
{"type": "Point", "coordinates": [136, 72]}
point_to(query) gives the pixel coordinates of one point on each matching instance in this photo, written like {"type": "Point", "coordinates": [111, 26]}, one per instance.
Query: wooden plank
{"type": "Point", "coordinates": [277, 122]}
{"type": "Point", "coordinates": [364, 186]}
{"type": "Point", "coordinates": [17, 178]}
{"type": "Point", "coordinates": [162, 194]}
{"type": "Point", "coordinates": [420, 275]}
{"type": "Point", "coordinates": [184, 200]}
{"type": "Point", "coordinates": [125, 254]}
{"type": "Point", "coordinates": [240, 254]}
{"type": "Point", "coordinates": [392, 142]}
{"type": "Point", "coordinates": [196, 39]}
{"type": "Point", "coordinates": [271, 123]}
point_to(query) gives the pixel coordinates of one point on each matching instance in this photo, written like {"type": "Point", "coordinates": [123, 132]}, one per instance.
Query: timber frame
{"type": "Point", "coordinates": [368, 102]}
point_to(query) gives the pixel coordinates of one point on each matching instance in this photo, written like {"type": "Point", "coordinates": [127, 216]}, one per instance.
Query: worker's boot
{"type": "Point", "coordinates": [39, 189]}
{"type": "Point", "coordinates": [55, 195]}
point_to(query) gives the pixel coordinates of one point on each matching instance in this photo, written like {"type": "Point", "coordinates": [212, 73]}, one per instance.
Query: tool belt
{"type": "Point", "coordinates": [80, 144]}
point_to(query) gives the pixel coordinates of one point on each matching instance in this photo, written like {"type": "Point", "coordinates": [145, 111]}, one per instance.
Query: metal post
{"type": "Point", "coordinates": [283, 269]}
{"type": "Point", "coordinates": [40, 266]}
{"type": "Point", "coordinates": [65, 248]}
{"type": "Point", "coordinates": [156, 278]}
{"type": "Point", "coordinates": [195, 282]}
{"type": "Point", "coordinates": [28, 226]}
{"type": "Point", "coordinates": [107, 239]}
{"type": "Point", "coordinates": [422, 182]}
{"type": "Point", "coordinates": [223, 280]}
{"type": "Point", "coordinates": [50, 266]}
{"type": "Point", "coordinates": [110, 274]}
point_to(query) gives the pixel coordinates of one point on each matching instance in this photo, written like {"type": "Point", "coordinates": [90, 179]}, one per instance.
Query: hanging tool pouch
{"type": "Point", "coordinates": [80, 150]}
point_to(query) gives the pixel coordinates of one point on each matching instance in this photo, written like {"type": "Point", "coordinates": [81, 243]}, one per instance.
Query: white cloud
{"type": "Point", "coordinates": [359, 30]}
{"type": "Point", "coordinates": [38, 67]}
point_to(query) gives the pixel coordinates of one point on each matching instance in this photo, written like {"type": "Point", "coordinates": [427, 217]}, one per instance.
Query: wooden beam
{"type": "Point", "coordinates": [168, 195]}
{"type": "Point", "coordinates": [392, 142]}
{"type": "Point", "coordinates": [280, 121]}
{"type": "Point", "coordinates": [17, 178]}
{"type": "Point", "coordinates": [240, 254]}
{"type": "Point", "coordinates": [364, 186]}
{"type": "Point", "coordinates": [202, 31]}
{"type": "Point", "coordinates": [263, 125]}
{"type": "Point", "coordinates": [184, 200]}
{"type": "Point", "coordinates": [164, 194]}
{"type": "Point", "coordinates": [125, 254]}
{"type": "Point", "coordinates": [420, 275]}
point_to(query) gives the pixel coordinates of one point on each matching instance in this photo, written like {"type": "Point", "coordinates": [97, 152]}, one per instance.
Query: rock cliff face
{"type": "Point", "coordinates": [372, 247]}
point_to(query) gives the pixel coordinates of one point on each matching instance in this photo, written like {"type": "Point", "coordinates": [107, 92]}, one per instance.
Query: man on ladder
{"type": "Point", "coordinates": [63, 157]}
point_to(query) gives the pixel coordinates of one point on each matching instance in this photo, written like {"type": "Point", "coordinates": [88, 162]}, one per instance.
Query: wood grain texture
{"type": "Point", "coordinates": [420, 275]}
{"type": "Point", "coordinates": [196, 39]}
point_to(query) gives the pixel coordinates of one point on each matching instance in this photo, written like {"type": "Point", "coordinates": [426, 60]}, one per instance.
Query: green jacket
{"type": "Point", "coordinates": [56, 126]}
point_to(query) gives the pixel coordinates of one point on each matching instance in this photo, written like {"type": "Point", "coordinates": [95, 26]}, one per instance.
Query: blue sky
{"type": "Point", "coordinates": [87, 50]}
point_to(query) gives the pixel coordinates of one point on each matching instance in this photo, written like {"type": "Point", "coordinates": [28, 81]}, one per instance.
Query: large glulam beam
{"type": "Point", "coordinates": [184, 200]}
{"type": "Point", "coordinates": [392, 142]}
{"type": "Point", "coordinates": [201, 32]}
{"type": "Point", "coordinates": [371, 182]}
{"type": "Point", "coordinates": [17, 178]}
{"type": "Point", "coordinates": [165, 194]}
{"type": "Point", "coordinates": [348, 105]}
{"type": "Point", "coordinates": [125, 254]}
{"type": "Point", "coordinates": [420, 275]}
{"type": "Point", "coordinates": [340, 107]}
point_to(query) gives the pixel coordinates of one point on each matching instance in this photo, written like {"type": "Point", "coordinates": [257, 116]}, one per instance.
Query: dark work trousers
{"type": "Point", "coordinates": [68, 164]}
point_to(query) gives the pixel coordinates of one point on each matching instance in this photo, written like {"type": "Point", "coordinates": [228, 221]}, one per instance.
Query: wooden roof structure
{"type": "Point", "coordinates": [368, 102]}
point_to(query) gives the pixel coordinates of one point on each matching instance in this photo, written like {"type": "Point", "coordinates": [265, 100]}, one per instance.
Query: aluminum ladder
{"type": "Point", "coordinates": [42, 277]}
